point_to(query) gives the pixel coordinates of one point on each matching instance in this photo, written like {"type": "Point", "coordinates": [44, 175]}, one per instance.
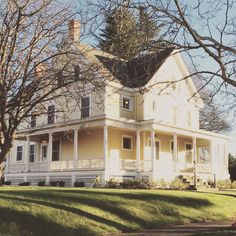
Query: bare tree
{"type": "Point", "coordinates": [204, 30]}
{"type": "Point", "coordinates": [36, 61]}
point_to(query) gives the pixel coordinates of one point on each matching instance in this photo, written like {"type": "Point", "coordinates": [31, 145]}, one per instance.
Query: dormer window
{"type": "Point", "coordinates": [127, 103]}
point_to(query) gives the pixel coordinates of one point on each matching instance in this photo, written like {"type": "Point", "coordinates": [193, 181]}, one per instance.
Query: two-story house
{"type": "Point", "coordinates": [144, 122]}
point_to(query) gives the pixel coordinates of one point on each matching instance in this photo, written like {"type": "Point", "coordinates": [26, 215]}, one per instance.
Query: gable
{"type": "Point", "coordinates": [174, 69]}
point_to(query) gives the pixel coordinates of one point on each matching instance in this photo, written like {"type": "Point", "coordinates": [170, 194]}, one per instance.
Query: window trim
{"type": "Point", "coordinates": [199, 155]}
{"type": "Point", "coordinates": [89, 96]}
{"type": "Point", "coordinates": [131, 103]}
{"type": "Point", "coordinates": [149, 144]}
{"type": "Point", "coordinates": [22, 158]}
{"type": "Point", "coordinates": [172, 153]}
{"type": "Point", "coordinates": [58, 139]}
{"type": "Point", "coordinates": [185, 150]}
{"type": "Point", "coordinates": [122, 142]}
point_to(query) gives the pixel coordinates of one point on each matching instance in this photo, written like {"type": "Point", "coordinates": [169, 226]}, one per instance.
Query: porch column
{"type": "Point", "coordinates": [153, 150]}
{"type": "Point", "coordinates": [195, 161]}
{"type": "Point", "coordinates": [76, 148]}
{"type": "Point", "coordinates": [175, 150]}
{"type": "Point", "coordinates": [50, 139]}
{"type": "Point", "coordinates": [105, 152]}
{"type": "Point", "coordinates": [138, 150]}
{"type": "Point", "coordinates": [27, 149]}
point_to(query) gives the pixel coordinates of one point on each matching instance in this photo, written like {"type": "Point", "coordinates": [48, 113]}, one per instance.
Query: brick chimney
{"type": "Point", "coordinates": [74, 30]}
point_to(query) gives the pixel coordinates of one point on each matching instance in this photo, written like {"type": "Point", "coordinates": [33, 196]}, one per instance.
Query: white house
{"type": "Point", "coordinates": [118, 131]}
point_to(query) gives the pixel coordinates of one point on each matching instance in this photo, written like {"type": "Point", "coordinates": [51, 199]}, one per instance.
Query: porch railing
{"type": "Point", "coordinates": [37, 166]}
{"type": "Point", "coordinates": [91, 163]}
{"type": "Point", "coordinates": [17, 168]}
{"type": "Point", "coordinates": [61, 165]}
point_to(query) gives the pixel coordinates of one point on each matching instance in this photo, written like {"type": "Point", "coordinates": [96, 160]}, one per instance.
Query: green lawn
{"type": "Point", "coordinates": [69, 211]}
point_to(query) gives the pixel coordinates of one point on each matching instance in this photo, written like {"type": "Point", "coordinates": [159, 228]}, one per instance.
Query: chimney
{"type": "Point", "coordinates": [74, 30]}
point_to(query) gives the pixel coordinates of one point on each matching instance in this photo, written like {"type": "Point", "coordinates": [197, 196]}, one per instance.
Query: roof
{"type": "Point", "coordinates": [135, 72]}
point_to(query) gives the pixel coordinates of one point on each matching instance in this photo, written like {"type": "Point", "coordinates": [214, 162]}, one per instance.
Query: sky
{"type": "Point", "coordinates": [220, 17]}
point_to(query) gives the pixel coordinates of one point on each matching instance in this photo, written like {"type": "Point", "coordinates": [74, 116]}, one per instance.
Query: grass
{"type": "Point", "coordinates": [68, 211]}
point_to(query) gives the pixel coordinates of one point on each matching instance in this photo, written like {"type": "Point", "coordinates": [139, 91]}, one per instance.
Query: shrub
{"type": "Point", "coordinates": [226, 184]}
{"type": "Point", "coordinates": [53, 183]}
{"type": "Point", "coordinates": [178, 184]}
{"type": "Point", "coordinates": [162, 184]}
{"type": "Point", "coordinates": [97, 182]}
{"type": "Point", "coordinates": [138, 184]}
{"type": "Point", "coordinates": [79, 184]}
{"type": "Point", "coordinates": [61, 183]}
{"type": "Point", "coordinates": [41, 183]}
{"type": "Point", "coordinates": [112, 183]}
{"type": "Point", "coordinates": [7, 182]}
{"type": "Point", "coordinates": [25, 183]}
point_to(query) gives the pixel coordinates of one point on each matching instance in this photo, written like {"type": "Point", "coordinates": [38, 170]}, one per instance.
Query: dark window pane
{"type": "Point", "coordinates": [33, 121]}
{"type": "Point", "coordinates": [126, 103]}
{"type": "Point", "coordinates": [55, 150]}
{"type": "Point", "coordinates": [19, 153]}
{"type": "Point", "coordinates": [44, 152]}
{"type": "Point", "coordinates": [127, 143]}
{"type": "Point", "coordinates": [32, 153]}
{"type": "Point", "coordinates": [157, 150]}
{"type": "Point", "coordinates": [85, 107]}
{"type": "Point", "coordinates": [77, 73]}
{"type": "Point", "coordinates": [60, 79]}
{"type": "Point", "coordinates": [51, 114]}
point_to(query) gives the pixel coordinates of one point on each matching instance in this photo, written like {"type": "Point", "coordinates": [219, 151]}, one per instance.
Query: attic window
{"type": "Point", "coordinates": [127, 103]}
{"type": "Point", "coordinates": [76, 72]}
{"type": "Point", "coordinates": [60, 80]}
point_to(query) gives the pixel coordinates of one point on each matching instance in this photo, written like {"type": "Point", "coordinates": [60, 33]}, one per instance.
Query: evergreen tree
{"type": "Point", "coordinates": [125, 37]}
{"type": "Point", "coordinates": [120, 36]}
{"type": "Point", "coordinates": [148, 31]}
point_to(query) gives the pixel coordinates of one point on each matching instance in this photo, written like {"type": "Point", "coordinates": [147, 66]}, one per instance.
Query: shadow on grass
{"type": "Point", "coordinates": [73, 210]}
{"type": "Point", "coordinates": [113, 202]}
{"type": "Point", "coordinates": [27, 224]}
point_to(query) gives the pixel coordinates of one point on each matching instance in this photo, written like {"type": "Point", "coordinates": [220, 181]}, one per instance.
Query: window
{"type": "Point", "coordinates": [56, 150]}
{"type": "Point", "coordinates": [33, 121]}
{"type": "Point", "coordinates": [19, 153]}
{"type": "Point", "coordinates": [76, 73]}
{"type": "Point", "coordinates": [44, 152]}
{"type": "Point", "coordinates": [127, 143]}
{"type": "Point", "coordinates": [32, 153]}
{"type": "Point", "coordinates": [188, 153]}
{"type": "Point", "coordinates": [60, 79]}
{"type": "Point", "coordinates": [51, 114]}
{"type": "Point", "coordinates": [204, 155]}
{"type": "Point", "coordinates": [126, 103]}
{"type": "Point", "coordinates": [157, 144]}
{"type": "Point", "coordinates": [85, 106]}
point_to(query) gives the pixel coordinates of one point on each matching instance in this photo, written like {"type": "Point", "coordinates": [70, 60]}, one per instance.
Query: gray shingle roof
{"type": "Point", "coordinates": [135, 72]}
